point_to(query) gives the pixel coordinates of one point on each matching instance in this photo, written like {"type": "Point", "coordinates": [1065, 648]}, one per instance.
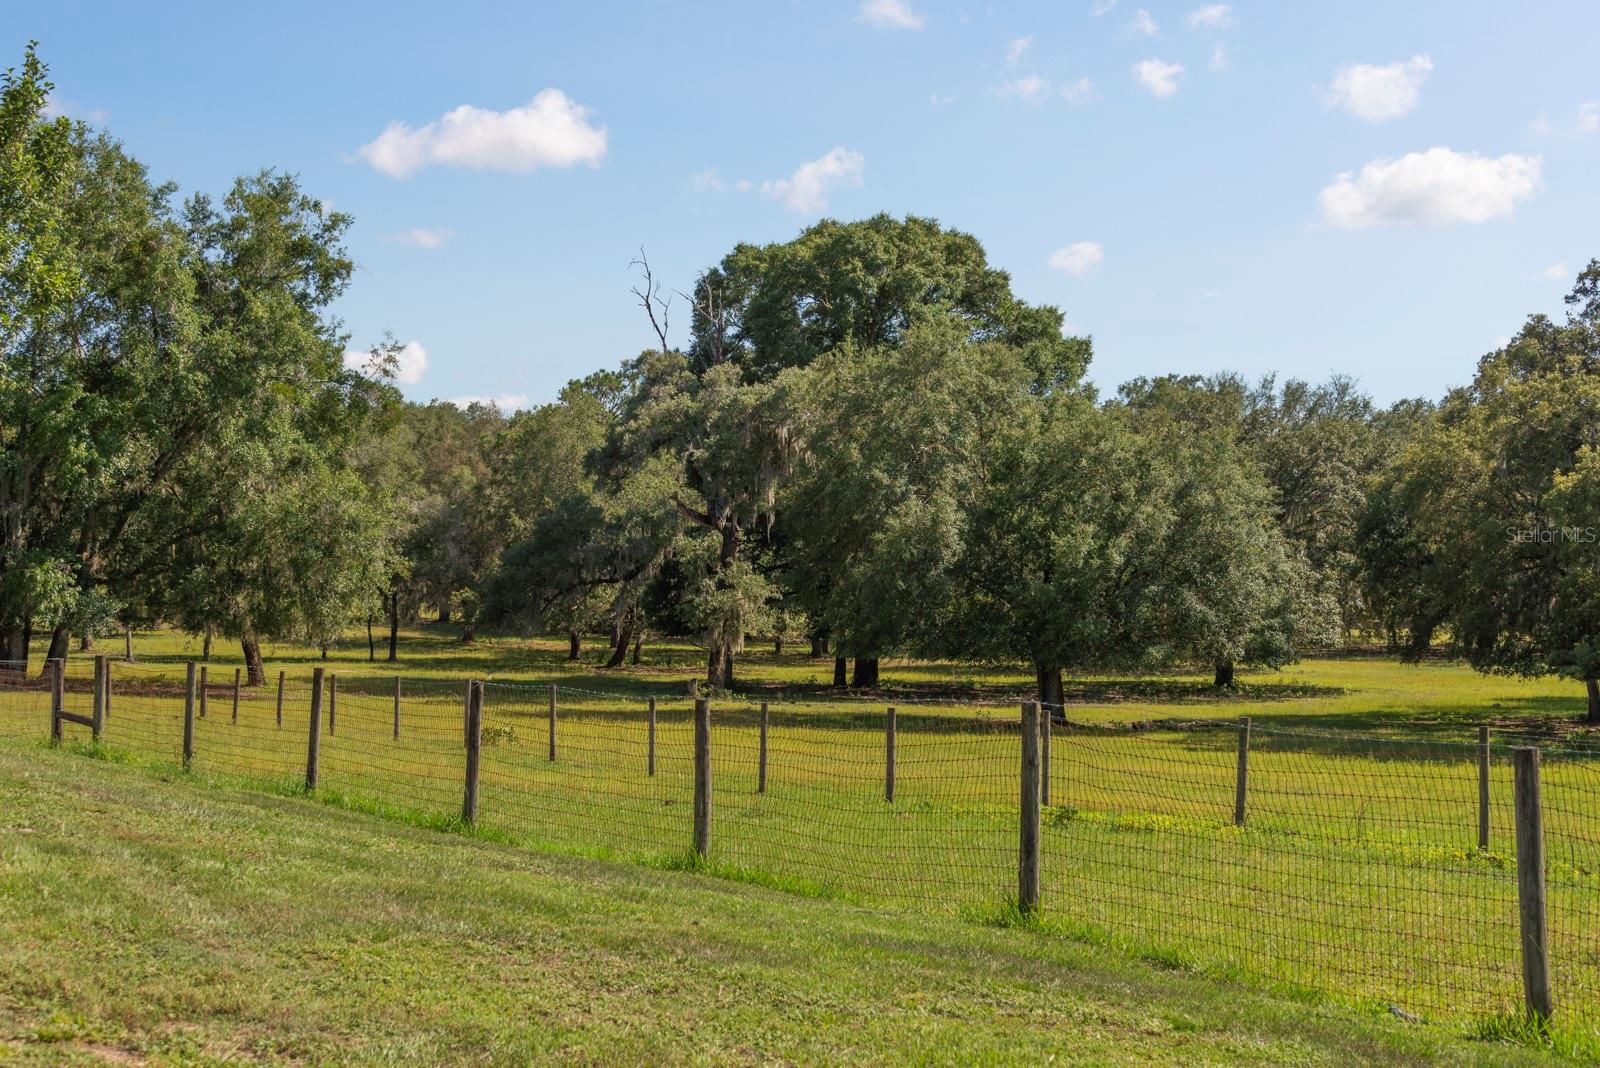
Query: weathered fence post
{"type": "Point", "coordinates": [1242, 785]}
{"type": "Point", "coordinates": [105, 711]}
{"type": "Point", "coordinates": [58, 696]}
{"type": "Point", "coordinates": [99, 696]}
{"type": "Point", "coordinates": [1045, 718]}
{"type": "Point", "coordinates": [1028, 839]}
{"type": "Point", "coordinates": [280, 698]}
{"type": "Point", "coordinates": [552, 722]}
{"type": "Point", "coordinates": [1530, 884]}
{"type": "Point", "coordinates": [702, 777]}
{"type": "Point", "coordinates": [236, 695]}
{"type": "Point", "coordinates": [202, 691]}
{"type": "Point", "coordinates": [1483, 788]}
{"type": "Point", "coordinates": [314, 742]}
{"type": "Point", "coordinates": [127, 644]}
{"type": "Point", "coordinates": [397, 707]}
{"type": "Point", "coordinates": [761, 762]}
{"type": "Point", "coordinates": [888, 755]}
{"type": "Point", "coordinates": [469, 802]}
{"type": "Point", "coordinates": [650, 754]}
{"type": "Point", "coordinates": [188, 717]}
{"type": "Point", "coordinates": [333, 700]}
{"type": "Point", "coordinates": [466, 705]}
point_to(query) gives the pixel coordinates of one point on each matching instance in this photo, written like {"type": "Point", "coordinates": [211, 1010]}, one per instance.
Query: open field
{"type": "Point", "coordinates": [152, 920]}
{"type": "Point", "coordinates": [1357, 875]}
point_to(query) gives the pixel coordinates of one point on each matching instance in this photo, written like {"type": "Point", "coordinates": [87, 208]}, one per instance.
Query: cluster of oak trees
{"type": "Point", "coordinates": [868, 443]}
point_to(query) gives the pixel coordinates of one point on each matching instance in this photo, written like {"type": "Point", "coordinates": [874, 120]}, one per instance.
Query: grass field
{"type": "Point", "coordinates": [1357, 877]}
{"type": "Point", "coordinates": [147, 919]}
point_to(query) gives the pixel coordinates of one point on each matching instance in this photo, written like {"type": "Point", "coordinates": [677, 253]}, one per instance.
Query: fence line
{"type": "Point", "coordinates": [1386, 870]}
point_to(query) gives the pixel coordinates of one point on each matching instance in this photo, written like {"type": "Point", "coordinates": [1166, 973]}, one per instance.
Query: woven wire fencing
{"type": "Point", "coordinates": [1375, 869]}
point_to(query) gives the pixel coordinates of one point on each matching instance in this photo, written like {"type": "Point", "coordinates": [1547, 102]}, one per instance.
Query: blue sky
{"type": "Point", "coordinates": [1380, 189]}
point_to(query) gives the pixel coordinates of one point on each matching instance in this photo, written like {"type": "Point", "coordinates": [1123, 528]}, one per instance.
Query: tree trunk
{"type": "Point", "coordinates": [1593, 686]}
{"type": "Point", "coordinates": [638, 641]}
{"type": "Point", "coordinates": [866, 672]}
{"type": "Point", "coordinates": [85, 644]}
{"type": "Point", "coordinates": [777, 645]}
{"type": "Point", "coordinates": [1224, 674]}
{"type": "Point", "coordinates": [394, 626]}
{"type": "Point", "coordinates": [623, 637]}
{"type": "Point", "coordinates": [255, 671]}
{"type": "Point", "coordinates": [1051, 692]}
{"type": "Point", "coordinates": [324, 650]}
{"type": "Point", "coordinates": [444, 614]}
{"type": "Point", "coordinates": [14, 648]}
{"type": "Point", "coordinates": [819, 646]}
{"type": "Point", "coordinates": [205, 648]}
{"type": "Point", "coordinates": [127, 644]}
{"type": "Point", "coordinates": [59, 640]}
{"type": "Point", "coordinates": [372, 644]}
{"type": "Point", "coordinates": [719, 666]}
{"type": "Point", "coordinates": [841, 668]}
{"type": "Point", "coordinates": [574, 645]}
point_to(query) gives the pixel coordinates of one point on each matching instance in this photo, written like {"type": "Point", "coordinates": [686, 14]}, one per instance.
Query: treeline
{"type": "Point", "coordinates": [868, 444]}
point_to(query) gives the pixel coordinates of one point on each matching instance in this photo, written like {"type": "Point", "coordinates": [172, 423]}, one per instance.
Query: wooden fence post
{"type": "Point", "coordinates": [99, 696]}
{"type": "Point", "coordinates": [397, 707]}
{"type": "Point", "coordinates": [105, 711]}
{"type": "Point", "coordinates": [58, 692]}
{"type": "Point", "coordinates": [333, 700]}
{"type": "Point", "coordinates": [469, 802]}
{"type": "Point", "coordinates": [702, 777]}
{"type": "Point", "coordinates": [202, 691]}
{"type": "Point", "coordinates": [761, 763]}
{"type": "Point", "coordinates": [188, 717]}
{"type": "Point", "coordinates": [1045, 718]}
{"type": "Point", "coordinates": [1530, 884]}
{"type": "Point", "coordinates": [1483, 788]}
{"type": "Point", "coordinates": [650, 755]}
{"type": "Point", "coordinates": [552, 722]}
{"type": "Point", "coordinates": [1242, 785]}
{"type": "Point", "coordinates": [314, 742]}
{"type": "Point", "coordinates": [888, 755]}
{"type": "Point", "coordinates": [236, 695]}
{"type": "Point", "coordinates": [127, 644]}
{"type": "Point", "coordinates": [1028, 839]}
{"type": "Point", "coordinates": [466, 706]}
{"type": "Point", "coordinates": [280, 699]}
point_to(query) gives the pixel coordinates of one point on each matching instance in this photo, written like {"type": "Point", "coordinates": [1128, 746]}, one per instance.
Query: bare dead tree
{"type": "Point", "coordinates": [714, 315]}
{"type": "Point", "coordinates": [657, 307]}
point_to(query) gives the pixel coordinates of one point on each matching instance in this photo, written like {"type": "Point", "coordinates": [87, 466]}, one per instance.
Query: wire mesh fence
{"type": "Point", "coordinates": [1379, 870]}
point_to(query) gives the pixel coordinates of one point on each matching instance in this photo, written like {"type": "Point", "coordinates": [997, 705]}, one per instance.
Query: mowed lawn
{"type": "Point", "coordinates": [166, 920]}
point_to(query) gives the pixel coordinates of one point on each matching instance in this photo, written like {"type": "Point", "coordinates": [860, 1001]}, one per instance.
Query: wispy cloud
{"type": "Point", "coordinates": [1143, 25]}
{"type": "Point", "coordinates": [807, 189]}
{"type": "Point", "coordinates": [551, 130]}
{"type": "Point", "coordinates": [1556, 272]}
{"type": "Point", "coordinates": [1211, 17]}
{"type": "Point", "coordinates": [1017, 49]}
{"type": "Point", "coordinates": [411, 363]}
{"type": "Point", "coordinates": [1077, 91]}
{"type": "Point", "coordinates": [1030, 88]}
{"type": "Point", "coordinates": [506, 402]}
{"type": "Point", "coordinates": [1219, 59]}
{"type": "Point", "coordinates": [707, 181]}
{"type": "Point", "coordinates": [1433, 188]}
{"type": "Point", "coordinates": [893, 14]}
{"type": "Point", "coordinates": [1078, 258]}
{"type": "Point", "coordinates": [1377, 93]}
{"type": "Point", "coordinates": [422, 237]}
{"type": "Point", "coordinates": [1158, 76]}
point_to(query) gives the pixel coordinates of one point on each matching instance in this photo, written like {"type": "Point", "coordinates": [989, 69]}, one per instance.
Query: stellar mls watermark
{"type": "Point", "coordinates": [1542, 533]}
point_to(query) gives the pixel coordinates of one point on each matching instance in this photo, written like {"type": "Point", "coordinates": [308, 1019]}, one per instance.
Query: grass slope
{"type": "Point", "coordinates": [167, 922]}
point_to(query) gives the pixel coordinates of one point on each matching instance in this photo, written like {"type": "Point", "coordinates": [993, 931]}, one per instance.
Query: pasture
{"type": "Point", "coordinates": [1356, 878]}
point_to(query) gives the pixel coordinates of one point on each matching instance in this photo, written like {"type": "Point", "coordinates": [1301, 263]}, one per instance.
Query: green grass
{"type": "Point", "coordinates": [163, 919]}
{"type": "Point", "coordinates": [1357, 876]}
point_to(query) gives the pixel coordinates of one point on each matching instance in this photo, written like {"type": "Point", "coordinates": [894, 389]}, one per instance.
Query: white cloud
{"type": "Point", "coordinates": [506, 402]}
{"type": "Point", "coordinates": [57, 108]}
{"type": "Point", "coordinates": [1016, 49]}
{"type": "Point", "coordinates": [1376, 93]}
{"type": "Point", "coordinates": [935, 100]}
{"type": "Point", "coordinates": [1030, 88]}
{"type": "Point", "coordinates": [1556, 272]}
{"type": "Point", "coordinates": [1102, 7]}
{"type": "Point", "coordinates": [1211, 17]}
{"type": "Point", "coordinates": [808, 187]}
{"type": "Point", "coordinates": [744, 185]}
{"type": "Point", "coordinates": [896, 14]}
{"type": "Point", "coordinates": [1078, 258]}
{"type": "Point", "coordinates": [1158, 76]}
{"type": "Point", "coordinates": [1589, 117]}
{"type": "Point", "coordinates": [1143, 24]}
{"type": "Point", "coordinates": [1077, 91]}
{"type": "Point", "coordinates": [1219, 59]}
{"type": "Point", "coordinates": [411, 363]}
{"type": "Point", "coordinates": [707, 181]}
{"type": "Point", "coordinates": [1436, 187]}
{"type": "Point", "coordinates": [551, 130]}
{"type": "Point", "coordinates": [422, 237]}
